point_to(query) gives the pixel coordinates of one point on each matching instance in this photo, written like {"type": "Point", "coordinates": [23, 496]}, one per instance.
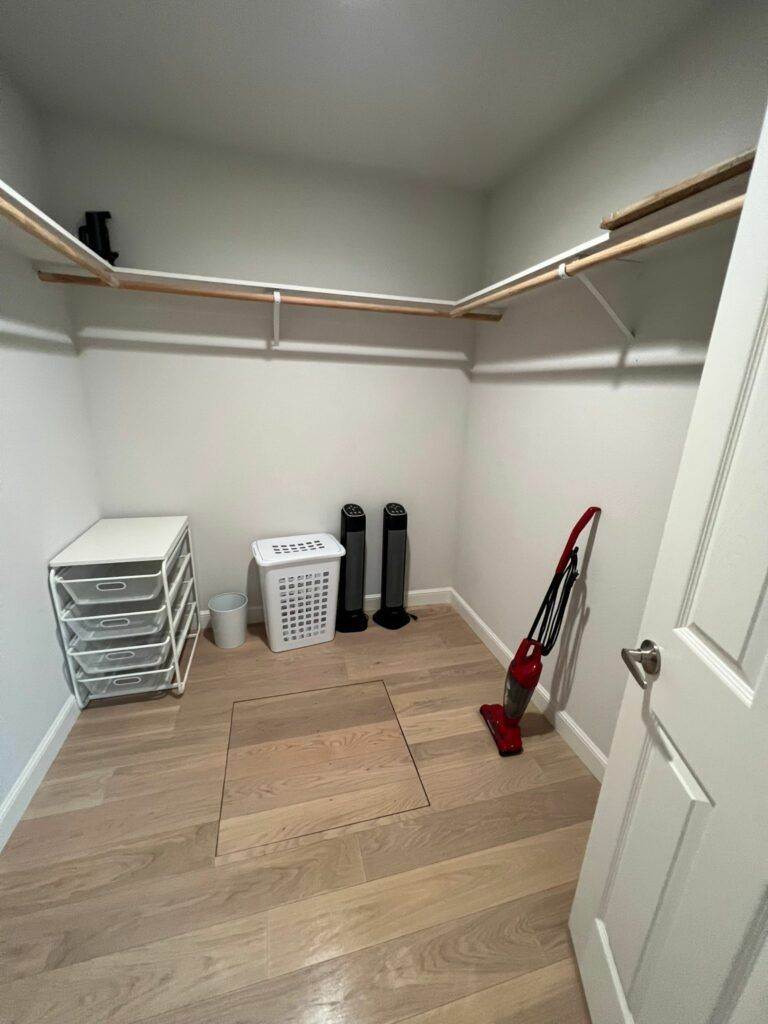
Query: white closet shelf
{"type": "Point", "coordinates": [169, 283]}
{"type": "Point", "coordinates": [33, 234]}
{"type": "Point", "coordinates": [633, 245]}
{"type": "Point", "coordinates": [131, 274]}
{"type": "Point", "coordinates": [591, 245]}
{"type": "Point", "coordinates": [703, 199]}
{"type": "Point", "coordinates": [726, 180]}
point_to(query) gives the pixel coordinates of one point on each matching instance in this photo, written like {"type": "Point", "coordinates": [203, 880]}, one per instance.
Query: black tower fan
{"type": "Point", "coordinates": [392, 614]}
{"type": "Point", "coordinates": [350, 617]}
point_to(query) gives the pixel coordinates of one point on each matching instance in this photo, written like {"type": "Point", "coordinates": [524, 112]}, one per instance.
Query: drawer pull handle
{"type": "Point", "coordinates": [126, 680]}
{"type": "Point", "coordinates": [116, 585]}
{"type": "Point", "coordinates": [113, 623]}
{"type": "Point", "coordinates": [117, 655]}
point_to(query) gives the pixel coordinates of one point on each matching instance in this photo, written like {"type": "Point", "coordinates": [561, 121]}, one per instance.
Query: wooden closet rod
{"type": "Point", "coordinates": [684, 226]}
{"type": "Point", "coordinates": [231, 293]}
{"type": "Point", "coordinates": [42, 234]}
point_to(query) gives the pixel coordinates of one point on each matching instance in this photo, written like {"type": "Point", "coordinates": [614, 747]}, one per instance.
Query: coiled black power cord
{"type": "Point", "coordinates": [549, 617]}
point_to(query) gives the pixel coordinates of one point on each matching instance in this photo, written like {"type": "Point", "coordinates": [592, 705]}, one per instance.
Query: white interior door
{"type": "Point", "coordinates": [670, 919]}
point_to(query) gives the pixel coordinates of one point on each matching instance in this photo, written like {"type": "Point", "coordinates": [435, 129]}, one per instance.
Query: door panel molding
{"type": "Point", "coordinates": [748, 381]}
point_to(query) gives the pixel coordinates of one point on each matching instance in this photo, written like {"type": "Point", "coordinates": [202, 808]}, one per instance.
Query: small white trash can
{"type": "Point", "coordinates": [229, 617]}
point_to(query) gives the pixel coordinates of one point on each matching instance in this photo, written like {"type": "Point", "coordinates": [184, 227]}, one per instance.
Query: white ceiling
{"type": "Point", "coordinates": [452, 90]}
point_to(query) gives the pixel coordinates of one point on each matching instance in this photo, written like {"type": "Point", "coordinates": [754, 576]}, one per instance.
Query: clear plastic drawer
{"type": "Point", "coordinates": [104, 584]}
{"type": "Point", "coordinates": [128, 618]}
{"type": "Point", "coordinates": [98, 657]}
{"type": "Point", "coordinates": [133, 618]}
{"type": "Point", "coordinates": [133, 682]}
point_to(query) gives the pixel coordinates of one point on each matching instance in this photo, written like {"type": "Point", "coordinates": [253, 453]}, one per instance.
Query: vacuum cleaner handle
{"type": "Point", "coordinates": [571, 544]}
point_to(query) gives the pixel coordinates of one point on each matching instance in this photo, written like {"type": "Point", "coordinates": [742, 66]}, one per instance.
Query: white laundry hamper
{"type": "Point", "coordinates": [299, 587]}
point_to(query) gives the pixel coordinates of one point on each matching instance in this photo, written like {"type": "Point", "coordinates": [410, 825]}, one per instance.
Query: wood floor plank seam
{"type": "Point", "coordinates": [320, 832]}
{"type": "Point", "coordinates": [317, 689]}
{"type": "Point", "coordinates": [289, 902]}
{"type": "Point", "coordinates": [364, 827]}
{"type": "Point", "coordinates": [416, 932]}
{"type": "Point", "coordinates": [116, 907]}
{"type": "Point", "coordinates": [255, 853]}
{"type": "Point", "coordinates": [224, 780]}
{"type": "Point", "coordinates": [518, 981]}
{"type": "Point", "coordinates": [409, 935]}
{"type": "Point", "coordinates": [14, 924]}
{"type": "Point", "coordinates": [405, 741]}
{"type": "Point", "coordinates": [308, 925]}
{"type": "Point", "coordinates": [244, 828]}
{"type": "Point", "coordinates": [288, 979]}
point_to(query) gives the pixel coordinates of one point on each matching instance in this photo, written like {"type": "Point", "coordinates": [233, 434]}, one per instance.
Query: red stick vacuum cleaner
{"type": "Point", "coordinates": [525, 668]}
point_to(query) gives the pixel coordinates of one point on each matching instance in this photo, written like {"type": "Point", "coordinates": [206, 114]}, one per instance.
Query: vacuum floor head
{"type": "Point", "coordinates": [506, 734]}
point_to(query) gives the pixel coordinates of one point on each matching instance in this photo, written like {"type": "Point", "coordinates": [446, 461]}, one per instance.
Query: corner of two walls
{"type": "Point", "coordinates": [550, 432]}
{"type": "Point", "coordinates": [47, 486]}
{"type": "Point", "coordinates": [191, 410]}
{"type": "Point", "coordinates": [193, 414]}
{"type": "Point", "coordinates": [560, 416]}
{"type": "Point", "coordinates": [166, 405]}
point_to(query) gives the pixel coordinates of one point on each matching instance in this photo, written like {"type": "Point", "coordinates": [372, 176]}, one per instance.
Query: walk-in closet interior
{"type": "Point", "coordinates": [458, 259]}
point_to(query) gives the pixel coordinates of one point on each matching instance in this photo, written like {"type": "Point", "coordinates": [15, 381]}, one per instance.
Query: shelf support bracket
{"type": "Point", "coordinates": [598, 296]}
{"type": "Point", "coordinates": [276, 300]}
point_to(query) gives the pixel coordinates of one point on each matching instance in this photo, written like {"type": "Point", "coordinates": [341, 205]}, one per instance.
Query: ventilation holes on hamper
{"type": "Point", "coordinates": [303, 604]}
{"type": "Point", "coordinates": [298, 547]}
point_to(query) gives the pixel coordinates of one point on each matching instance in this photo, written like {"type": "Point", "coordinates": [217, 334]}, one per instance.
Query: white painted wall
{"type": "Point", "coordinates": [219, 212]}
{"type": "Point", "coordinates": [556, 424]}
{"type": "Point", "coordinates": [699, 100]}
{"type": "Point", "coordinates": [21, 145]}
{"type": "Point", "coordinates": [252, 445]}
{"type": "Point", "coordinates": [47, 489]}
{"type": "Point", "coordinates": [190, 414]}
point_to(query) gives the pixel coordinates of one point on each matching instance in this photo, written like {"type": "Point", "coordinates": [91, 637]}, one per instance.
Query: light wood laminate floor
{"type": "Point", "coordinates": [116, 905]}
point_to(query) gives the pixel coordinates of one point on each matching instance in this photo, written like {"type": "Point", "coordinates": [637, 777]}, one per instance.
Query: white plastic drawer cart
{"type": "Point", "coordinates": [127, 607]}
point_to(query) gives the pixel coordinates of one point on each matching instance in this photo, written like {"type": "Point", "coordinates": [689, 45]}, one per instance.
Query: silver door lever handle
{"type": "Point", "coordinates": [648, 655]}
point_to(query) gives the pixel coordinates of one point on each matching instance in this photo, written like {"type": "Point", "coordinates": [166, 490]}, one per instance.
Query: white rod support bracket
{"type": "Point", "coordinates": [599, 297]}
{"type": "Point", "coordinates": [276, 319]}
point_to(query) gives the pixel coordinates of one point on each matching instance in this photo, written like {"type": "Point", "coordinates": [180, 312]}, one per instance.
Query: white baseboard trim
{"type": "Point", "coordinates": [416, 599]}
{"type": "Point", "coordinates": [16, 801]}
{"type": "Point", "coordinates": [584, 748]}
{"type": "Point", "coordinates": [495, 644]}
{"type": "Point", "coordinates": [21, 792]}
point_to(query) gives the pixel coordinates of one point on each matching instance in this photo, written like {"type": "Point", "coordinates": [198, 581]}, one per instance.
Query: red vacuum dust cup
{"type": "Point", "coordinates": [522, 676]}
